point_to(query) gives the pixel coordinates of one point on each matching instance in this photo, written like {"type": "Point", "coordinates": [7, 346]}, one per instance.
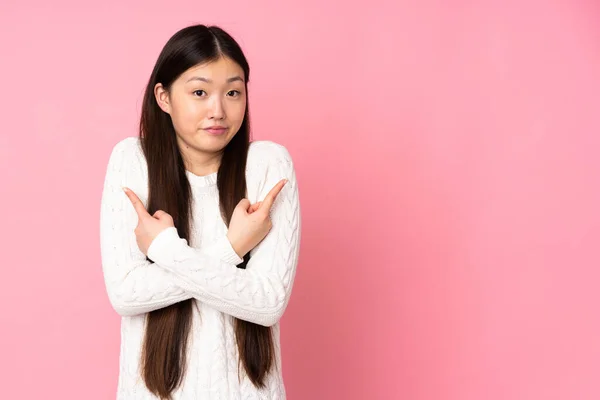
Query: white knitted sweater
{"type": "Point", "coordinates": [203, 270]}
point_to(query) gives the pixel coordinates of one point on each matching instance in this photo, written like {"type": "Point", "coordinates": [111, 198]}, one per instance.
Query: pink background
{"type": "Point", "coordinates": [447, 155]}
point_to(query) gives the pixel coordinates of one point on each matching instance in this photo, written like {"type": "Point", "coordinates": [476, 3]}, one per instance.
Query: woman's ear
{"type": "Point", "coordinates": [162, 98]}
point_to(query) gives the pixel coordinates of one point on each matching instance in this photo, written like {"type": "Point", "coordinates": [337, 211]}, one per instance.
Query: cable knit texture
{"type": "Point", "coordinates": [203, 270]}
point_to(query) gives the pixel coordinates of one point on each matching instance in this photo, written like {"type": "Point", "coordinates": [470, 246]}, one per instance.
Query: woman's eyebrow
{"type": "Point", "coordinates": [203, 79]}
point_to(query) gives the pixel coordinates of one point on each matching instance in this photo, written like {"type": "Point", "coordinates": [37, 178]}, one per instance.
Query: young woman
{"type": "Point", "coordinates": [200, 232]}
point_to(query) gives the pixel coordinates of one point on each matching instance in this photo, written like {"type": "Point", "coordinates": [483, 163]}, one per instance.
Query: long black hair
{"type": "Point", "coordinates": [167, 329]}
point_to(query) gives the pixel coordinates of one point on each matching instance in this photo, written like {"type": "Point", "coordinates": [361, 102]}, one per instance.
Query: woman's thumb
{"type": "Point", "coordinates": [160, 214]}
{"type": "Point", "coordinates": [244, 204]}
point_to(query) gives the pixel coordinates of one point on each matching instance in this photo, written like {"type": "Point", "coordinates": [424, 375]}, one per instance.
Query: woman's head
{"type": "Point", "coordinates": [199, 80]}
{"type": "Point", "coordinates": [212, 94]}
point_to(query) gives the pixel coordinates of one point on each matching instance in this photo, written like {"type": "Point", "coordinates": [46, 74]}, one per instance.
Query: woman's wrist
{"type": "Point", "coordinates": [236, 247]}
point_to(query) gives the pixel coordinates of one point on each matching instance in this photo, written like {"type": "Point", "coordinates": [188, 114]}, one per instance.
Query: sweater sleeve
{"type": "Point", "coordinates": [134, 284]}
{"type": "Point", "coordinates": [260, 292]}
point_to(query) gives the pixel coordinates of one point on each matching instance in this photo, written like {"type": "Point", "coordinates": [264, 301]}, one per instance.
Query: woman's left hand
{"type": "Point", "coordinates": [149, 226]}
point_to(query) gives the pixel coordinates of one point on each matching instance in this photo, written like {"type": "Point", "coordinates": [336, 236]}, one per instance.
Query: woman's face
{"type": "Point", "coordinates": [212, 94]}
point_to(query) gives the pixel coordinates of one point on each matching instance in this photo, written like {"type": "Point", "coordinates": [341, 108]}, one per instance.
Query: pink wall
{"type": "Point", "coordinates": [447, 154]}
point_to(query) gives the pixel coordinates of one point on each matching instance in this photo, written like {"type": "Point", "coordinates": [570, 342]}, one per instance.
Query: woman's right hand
{"type": "Point", "coordinates": [250, 223]}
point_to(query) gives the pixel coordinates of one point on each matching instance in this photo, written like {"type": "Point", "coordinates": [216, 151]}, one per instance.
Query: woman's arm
{"type": "Point", "coordinates": [135, 285]}
{"type": "Point", "coordinates": [259, 293]}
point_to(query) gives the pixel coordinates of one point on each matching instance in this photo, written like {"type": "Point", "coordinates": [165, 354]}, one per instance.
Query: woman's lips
{"type": "Point", "coordinates": [216, 131]}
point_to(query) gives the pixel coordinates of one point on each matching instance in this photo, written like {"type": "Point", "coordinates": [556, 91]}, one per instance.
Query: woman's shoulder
{"type": "Point", "coordinates": [265, 152]}
{"type": "Point", "coordinates": [267, 163]}
{"type": "Point", "coordinates": [127, 159]}
{"type": "Point", "coordinates": [128, 146]}
{"type": "Point", "coordinates": [128, 151]}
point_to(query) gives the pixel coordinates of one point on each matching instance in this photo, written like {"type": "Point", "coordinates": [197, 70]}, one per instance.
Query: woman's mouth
{"type": "Point", "coordinates": [216, 130]}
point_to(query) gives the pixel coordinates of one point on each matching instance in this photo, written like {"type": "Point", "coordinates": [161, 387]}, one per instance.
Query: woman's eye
{"type": "Point", "coordinates": [200, 90]}
{"type": "Point", "coordinates": [236, 92]}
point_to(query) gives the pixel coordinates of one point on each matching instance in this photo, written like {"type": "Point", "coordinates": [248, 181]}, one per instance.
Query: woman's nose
{"type": "Point", "coordinates": [216, 109]}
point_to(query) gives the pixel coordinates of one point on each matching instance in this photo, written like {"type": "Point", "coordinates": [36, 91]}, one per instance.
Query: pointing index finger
{"type": "Point", "coordinates": [137, 203]}
{"type": "Point", "coordinates": [267, 203]}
